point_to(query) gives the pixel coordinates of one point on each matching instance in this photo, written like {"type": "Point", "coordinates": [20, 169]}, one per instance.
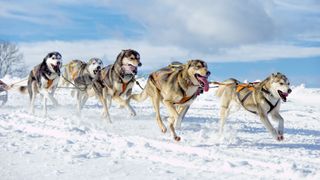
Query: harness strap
{"type": "Point", "coordinates": [269, 103]}
{"type": "Point", "coordinates": [244, 98]}
{"type": "Point", "coordinates": [184, 98]}
{"type": "Point", "coordinates": [124, 87]}
{"type": "Point", "coordinates": [49, 83]}
{"type": "Point", "coordinates": [241, 87]}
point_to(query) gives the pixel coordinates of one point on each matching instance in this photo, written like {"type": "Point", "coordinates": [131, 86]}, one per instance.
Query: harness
{"type": "Point", "coordinates": [184, 99]}
{"type": "Point", "coordinates": [44, 73]}
{"type": "Point", "coordinates": [251, 88]}
{"type": "Point", "coordinates": [107, 81]}
{"type": "Point", "coordinates": [80, 79]}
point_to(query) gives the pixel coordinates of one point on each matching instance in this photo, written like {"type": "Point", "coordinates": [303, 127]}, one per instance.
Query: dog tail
{"type": "Point", "coordinates": [140, 97]}
{"type": "Point", "coordinates": [65, 76]}
{"type": "Point", "coordinates": [23, 89]}
{"type": "Point", "coordinates": [224, 85]}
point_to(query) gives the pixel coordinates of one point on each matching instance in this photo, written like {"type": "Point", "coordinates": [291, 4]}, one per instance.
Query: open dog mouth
{"type": "Point", "coordinates": [130, 69]}
{"type": "Point", "coordinates": [203, 81]}
{"type": "Point", "coordinates": [96, 70]}
{"type": "Point", "coordinates": [56, 68]}
{"type": "Point", "coordinates": [283, 95]}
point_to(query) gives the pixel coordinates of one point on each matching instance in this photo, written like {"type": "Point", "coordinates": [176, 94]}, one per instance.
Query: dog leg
{"type": "Point", "coordinates": [277, 117]}
{"type": "Point", "coordinates": [109, 101]}
{"type": "Point", "coordinates": [182, 110]}
{"type": "Point", "coordinates": [224, 110]}
{"type": "Point", "coordinates": [45, 106]}
{"type": "Point", "coordinates": [79, 102]}
{"type": "Point", "coordinates": [84, 100]}
{"type": "Point", "coordinates": [265, 120]}
{"type": "Point", "coordinates": [33, 97]}
{"type": "Point", "coordinates": [173, 113]}
{"type": "Point", "coordinates": [50, 96]}
{"type": "Point", "coordinates": [156, 105]}
{"type": "Point", "coordinates": [125, 104]}
{"type": "Point", "coordinates": [55, 102]}
{"type": "Point", "coordinates": [105, 113]}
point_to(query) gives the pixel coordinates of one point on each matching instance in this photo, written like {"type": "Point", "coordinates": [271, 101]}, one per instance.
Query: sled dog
{"type": "Point", "coordinates": [82, 75]}
{"type": "Point", "coordinates": [115, 81]}
{"type": "Point", "coordinates": [262, 98]}
{"type": "Point", "coordinates": [43, 79]}
{"type": "Point", "coordinates": [176, 86]}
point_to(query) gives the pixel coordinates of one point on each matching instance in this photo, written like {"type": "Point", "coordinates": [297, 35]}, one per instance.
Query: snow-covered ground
{"type": "Point", "coordinates": [64, 146]}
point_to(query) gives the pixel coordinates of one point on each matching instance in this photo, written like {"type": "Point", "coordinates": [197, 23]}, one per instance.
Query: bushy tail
{"type": "Point", "coordinates": [23, 89]}
{"type": "Point", "coordinates": [220, 90]}
{"type": "Point", "coordinates": [225, 84]}
{"type": "Point", "coordinates": [139, 97]}
{"type": "Point", "coordinates": [142, 96]}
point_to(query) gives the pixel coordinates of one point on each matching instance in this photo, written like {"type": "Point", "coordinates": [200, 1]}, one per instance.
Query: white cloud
{"type": "Point", "coordinates": [213, 30]}
{"type": "Point", "coordinates": [155, 56]}
{"type": "Point", "coordinates": [205, 24]}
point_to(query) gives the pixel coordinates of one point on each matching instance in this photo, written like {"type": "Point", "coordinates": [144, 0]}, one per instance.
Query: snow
{"type": "Point", "coordinates": [66, 146]}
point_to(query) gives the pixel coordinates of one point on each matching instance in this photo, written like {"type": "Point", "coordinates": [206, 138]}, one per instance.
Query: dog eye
{"type": "Point", "coordinates": [281, 83]}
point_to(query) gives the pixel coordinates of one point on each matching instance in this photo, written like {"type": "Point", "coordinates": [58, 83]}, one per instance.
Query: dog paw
{"type": "Point", "coordinates": [280, 138]}
{"type": "Point", "coordinates": [164, 130]}
{"type": "Point", "coordinates": [177, 138]}
{"type": "Point", "coordinates": [132, 113]}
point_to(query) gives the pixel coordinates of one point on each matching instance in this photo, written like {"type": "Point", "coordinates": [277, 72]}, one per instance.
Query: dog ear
{"type": "Point", "coordinates": [46, 57]}
{"type": "Point", "coordinates": [120, 56]}
{"type": "Point", "coordinates": [189, 63]}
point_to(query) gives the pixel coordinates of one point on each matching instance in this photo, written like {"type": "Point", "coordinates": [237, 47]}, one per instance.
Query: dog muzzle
{"type": "Point", "coordinates": [129, 69]}
{"type": "Point", "coordinates": [56, 67]}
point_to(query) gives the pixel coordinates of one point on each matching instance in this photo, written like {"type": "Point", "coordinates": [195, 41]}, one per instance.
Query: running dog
{"type": "Point", "coordinates": [82, 75]}
{"type": "Point", "coordinates": [260, 98]}
{"type": "Point", "coordinates": [76, 68]}
{"type": "Point", "coordinates": [115, 81]}
{"type": "Point", "coordinates": [176, 86]}
{"type": "Point", "coordinates": [43, 79]}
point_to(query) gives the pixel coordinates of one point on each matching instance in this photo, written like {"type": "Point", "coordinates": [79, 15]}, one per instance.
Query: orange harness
{"type": "Point", "coordinates": [124, 87]}
{"type": "Point", "coordinates": [251, 88]}
{"type": "Point", "coordinates": [242, 86]}
{"type": "Point", "coordinates": [49, 83]}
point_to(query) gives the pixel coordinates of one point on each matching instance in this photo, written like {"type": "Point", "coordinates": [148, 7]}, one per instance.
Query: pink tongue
{"type": "Point", "coordinates": [205, 82]}
{"type": "Point", "coordinates": [285, 94]}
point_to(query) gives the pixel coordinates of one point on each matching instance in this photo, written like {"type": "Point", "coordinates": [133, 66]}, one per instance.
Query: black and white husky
{"type": "Point", "coordinates": [43, 79]}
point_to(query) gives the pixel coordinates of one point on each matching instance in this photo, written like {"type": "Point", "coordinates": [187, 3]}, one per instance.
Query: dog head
{"type": "Point", "coordinates": [94, 66]}
{"type": "Point", "coordinates": [199, 73]}
{"type": "Point", "coordinates": [280, 86]}
{"type": "Point", "coordinates": [53, 61]}
{"type": "Point", "coordinates": [129, 61]}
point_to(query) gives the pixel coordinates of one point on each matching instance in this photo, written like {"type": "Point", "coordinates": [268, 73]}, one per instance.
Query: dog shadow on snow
{"type": "Point", "coordinates": [288, 131]}
{"type": "Point", "coordinates": [196, 124]}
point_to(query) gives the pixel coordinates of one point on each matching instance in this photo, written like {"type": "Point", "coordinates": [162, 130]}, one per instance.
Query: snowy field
{"type": "Point", "coordinates": [64, 146]}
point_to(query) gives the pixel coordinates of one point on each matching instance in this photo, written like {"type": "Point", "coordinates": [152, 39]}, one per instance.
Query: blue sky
{"type": "Point", "coordinates": [246, 39]}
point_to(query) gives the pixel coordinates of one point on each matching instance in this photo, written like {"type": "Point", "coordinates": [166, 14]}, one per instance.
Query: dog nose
{"type": "Point", "coordinates": [99, 67]}
{"type": "Point", "coordinates": [140, 64]}
{"type": "Point", "coordinates": [208, 73]}
{"type": "Point", "coordinates": [289, 91]}
{"type": "Point", "coordinates": [58, 63]}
